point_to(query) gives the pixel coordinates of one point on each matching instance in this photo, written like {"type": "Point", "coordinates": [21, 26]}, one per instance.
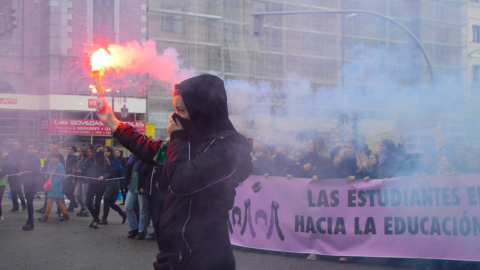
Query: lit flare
{"type": "Point", "coordinates": [99, 60]}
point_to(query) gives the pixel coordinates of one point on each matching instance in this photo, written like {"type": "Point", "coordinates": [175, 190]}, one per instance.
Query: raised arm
{"type": "Point", "coordinates": [140, 145]}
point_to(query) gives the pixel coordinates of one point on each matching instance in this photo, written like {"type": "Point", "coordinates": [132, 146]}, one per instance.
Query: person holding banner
{"type": "Point", "coordinates": [354, 164]}
{"type": "Point", "coordinates": [203, 163]}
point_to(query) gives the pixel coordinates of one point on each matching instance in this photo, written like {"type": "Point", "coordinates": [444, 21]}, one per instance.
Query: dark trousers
{"type": "Point", "coordinates": [2, 190]}
{"type": "Point", "coordinates": [154, 202]}
{"type": "Point", "coordinates": [16, 189]}
{"type": "Point", "coordinates": [30, 192]}
{"type": "Point", "coordinates": [69, 190]}
{"type": "Point", "coordinates": [110, 203]}
{"type": "Point", "coordinates": [95, 191]}
{"type": "Point", "coordinates": [218, 258]}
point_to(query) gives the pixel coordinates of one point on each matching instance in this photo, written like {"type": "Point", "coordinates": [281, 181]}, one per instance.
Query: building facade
{"type": "Point", "coordinates": [45, 71]}
{"type": "Point", "coordinates": [415, 43]}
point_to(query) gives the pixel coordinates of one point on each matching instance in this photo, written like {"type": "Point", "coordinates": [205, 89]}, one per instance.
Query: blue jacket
{"type": "Point", "coordinates": [57, 186]}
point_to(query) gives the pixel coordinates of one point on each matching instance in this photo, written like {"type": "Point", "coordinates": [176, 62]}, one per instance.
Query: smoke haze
{"type": "Point", "coordinates": [143, 58]}
{"type": "Point", "coordinates": [377, 98]}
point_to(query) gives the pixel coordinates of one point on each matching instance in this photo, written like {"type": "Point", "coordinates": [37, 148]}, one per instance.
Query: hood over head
{"type": "Point", "coordinates": [205, 99]}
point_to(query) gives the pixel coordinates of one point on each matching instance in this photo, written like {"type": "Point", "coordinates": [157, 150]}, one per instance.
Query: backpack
{"type": "Point", "coordinates": [118, 168]}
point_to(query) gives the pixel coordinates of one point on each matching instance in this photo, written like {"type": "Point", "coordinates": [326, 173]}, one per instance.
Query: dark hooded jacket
{"type": "Point", "coordinates": [203, 165]}
{"type": "Point", "coordinates": [31, 166]}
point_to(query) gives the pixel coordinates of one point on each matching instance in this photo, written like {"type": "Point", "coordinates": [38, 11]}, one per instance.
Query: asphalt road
{"type": "Point", "coordinates": [73, 245]}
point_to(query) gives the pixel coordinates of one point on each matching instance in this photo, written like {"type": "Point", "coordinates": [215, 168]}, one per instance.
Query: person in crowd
{"type": "Point", "coordinates": [154, 198]}
{"type": "Point", "coordinates": [135, 177]}
{"type": "Point", "coordinates": [112, 186]}
{"type": "Point", "coordinates": [69, 183]}
{"type": "Point", "coordinates": [459, 158]}
{"type": "Point", "coordinates": [281, 162]}
{"type": "Point", "coordinates": [261, 159]}
{"type": "Point", "coordinates": [81, 186]}
{"type": "Point", "coordinates": [3, 180]}
{"type": "Point", "coordinates": [426, 164]}
{"type": "Point", "coordinates": [316, 163]}
{"type": "Point", "coordinates": [42, 156]}
{"type": "Point", "coordinates": [387, 163]}
{"type": "Point", "coordinates": [337, 155]}
{"type": "Point", "coordinates": [52, 148]}
{"type": "Point", "coordinates": [473, 162]}
{"type": "Point", "coordinates": [373, 165]}
{"type": "Point", "coordinates": [296, 168]}
{"type": "Point", "coordinates": [90, 149]}
{"type": "Point", "coordinates": [56, 173]}
{"type": "Point", "coordinates": [30, 176]}
{"type": "Point", "coordinates": [123, 162]}
{"type": "Point", "coordinates": [145, 186]}
{"type": "Point", "coordinates": [404, 162]}
{"type": "Point", "coordinates": [96, 170]}
{"type": "Point", "coordinates": [445, 166]}
{"type": "Point", "coordinates": [13, 162]}
{"type": "Point", "coordinates": [204, 161]}
{"type": "Point", "coordinates": [354, 164]}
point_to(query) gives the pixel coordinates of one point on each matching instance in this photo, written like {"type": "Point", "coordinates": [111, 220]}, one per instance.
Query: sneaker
{"type": "Point", "coordinates": [94, 225]}
{"type": "Point", "coordinates": [103, 222]}
{"type": "Point", "coordinates": [43, 219]}
{"type": "Point", "coordinates": [70, 208]}
{"type": "Point", "coordinates": [14, 209]}
{"type": "Point", "coordinates": [85, 214]}
{"type": "Point", "coordinates": [151, 238]}
{"type": "Point", "coordinates": [65, 218]}
{"type": "Point", "coordinates": [24, 208]}
{"type": "Point", "coordinates": [132, 234]}
{"type": "Point", "coordinates": [140, 236]}
{"type": "Point", "coordinates": [41, 210]}
{"type": "Point", "coordinates": [28, 227]}
{"type": "Point", "coordinates": [312, 257]}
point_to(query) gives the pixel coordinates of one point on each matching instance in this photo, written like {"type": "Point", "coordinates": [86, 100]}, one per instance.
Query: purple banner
{"type": "Point", "coordinates": [409, 217]}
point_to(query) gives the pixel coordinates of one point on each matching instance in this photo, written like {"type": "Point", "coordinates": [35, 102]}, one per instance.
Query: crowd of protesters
{"type": "Point", "coordinates": [355, 160]}
{"type": "Point", "coordinates": [86, 177]}
{"type": "Point", "coordinates": [94, 173]}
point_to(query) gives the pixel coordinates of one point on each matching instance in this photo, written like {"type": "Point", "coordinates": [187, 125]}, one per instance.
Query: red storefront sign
{"type": "Point", "coordinates": [92, 103]}
{"type": "Point", "coordinates": [83, 127]}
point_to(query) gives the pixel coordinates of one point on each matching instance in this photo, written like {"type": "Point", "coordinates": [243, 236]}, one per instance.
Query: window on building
{"type": "Point", "coordinates": [103, 22]}
{"type": "Point", "coordinates": [8, 20]}
{"type": "Point", "coordinates": [476, 74]}
{"type": "Point", "coordinates": [476, 33]}
{"type": "Point", "coordinates": [172, 23]}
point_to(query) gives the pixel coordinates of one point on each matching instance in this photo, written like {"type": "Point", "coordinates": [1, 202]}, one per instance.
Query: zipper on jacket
{"type": "Point", "coordinates": [185, 225]}
{"type": "Point", "coordinates": [151, 180]}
